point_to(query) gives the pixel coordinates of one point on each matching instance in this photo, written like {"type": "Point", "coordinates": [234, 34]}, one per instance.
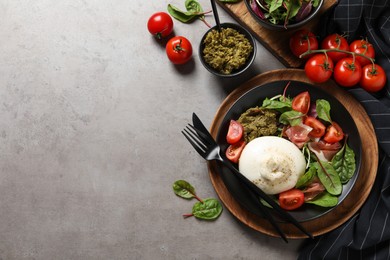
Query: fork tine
{"type": "Point", "coordinates": [203, 136]}
{"type": "Point", "coordinates": [194, 142]}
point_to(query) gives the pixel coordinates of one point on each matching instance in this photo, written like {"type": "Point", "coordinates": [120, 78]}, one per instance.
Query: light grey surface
{"type": "Point", "coordinates": [90, 144]}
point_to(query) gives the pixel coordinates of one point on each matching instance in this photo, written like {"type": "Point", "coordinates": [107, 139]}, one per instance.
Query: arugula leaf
{"type": "Point", "coordinates": [328, 177]}
{"type": "Point", "coordinates": [291, 118]}
{"type": "Point", "coordinates": [323, 110]}
{"type": "Point", "coordinates": [324, 200]}
{"type": "Point", "coordinates": [344, 163]}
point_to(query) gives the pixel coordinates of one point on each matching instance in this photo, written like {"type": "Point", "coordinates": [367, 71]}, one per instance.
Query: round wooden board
{"type": "Point", "coordinates": [359, 192]}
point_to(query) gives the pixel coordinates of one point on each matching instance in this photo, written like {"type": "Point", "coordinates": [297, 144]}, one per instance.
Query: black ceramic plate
{"type": "Point", "coordinates": [254, 97]}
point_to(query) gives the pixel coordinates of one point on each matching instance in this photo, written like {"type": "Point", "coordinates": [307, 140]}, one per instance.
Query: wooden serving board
{"type": "Point", "coordinates": [275, 41]}
{"type": "Point", "coordinates": [363, 183]}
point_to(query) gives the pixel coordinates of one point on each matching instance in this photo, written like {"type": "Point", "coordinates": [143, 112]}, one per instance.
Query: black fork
{"type": "Point", "coordinates": [200, 138]}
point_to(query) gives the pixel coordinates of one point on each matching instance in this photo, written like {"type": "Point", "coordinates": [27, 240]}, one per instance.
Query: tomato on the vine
{"type": "Point", "coordinates": [373, 78]}
{"type": "Point", "coordinates": [334, 133]}
{"type": "Point", "coordinates": [362, 47]}
{"type": "Point", "coordinates": [234, 151]}
{"type": "Point", "coordinates": [301, 41]}
{"type": "Point", "coordinates": [160, 25]}
{"type": "Point", "coordinates": [179, 50]}
{"type": "Point", "coordinates": [335, 42]}
{"type": "Point", "coordinates": [318, 127]}
{"type": "Point", "coordinates": [291, 199]}
{"type": "Point", "coordinates": [301, 102]}
{"type": "Point", "coordinates": [319, 68]}
{"type": "Point", "coordinates": [235, 132]}
{"type": "Point", "coordinates": [347, 72]}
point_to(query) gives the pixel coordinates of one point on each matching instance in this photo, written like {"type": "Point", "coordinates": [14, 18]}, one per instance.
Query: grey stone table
{"type": "Point", "coordinates": [90, 118]}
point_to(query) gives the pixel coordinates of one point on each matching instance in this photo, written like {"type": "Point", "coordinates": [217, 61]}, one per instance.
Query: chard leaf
{"type": "Point", "coordinates": [323, 110]}
{"type": "Point", "coordinates": [328, 177]}
{"type": "Point", "coordinates": [306, 178]}
{"type": "Point", "coordinates": [344, 163]}
{"type": "Point", "coordinates": [194, 7]}
{"type": "Point", "coordinates": [183, 189]}
{"type": "Point", "coordinates": [210, 209]}
{"type": "Point", "coordinates": [291, 118]}
{"type": "Point", "coordinates": [281, 106]}
{"type": "Point", "coordinates": [182, 16]}
{"type": "Point", "coordinates": [324, 200]}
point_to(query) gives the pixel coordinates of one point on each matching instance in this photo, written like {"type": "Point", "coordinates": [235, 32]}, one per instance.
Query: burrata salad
{"type": "Point", "coordinates": [293, 150]}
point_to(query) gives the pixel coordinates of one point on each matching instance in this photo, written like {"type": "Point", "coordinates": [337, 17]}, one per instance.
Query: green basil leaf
{"type": "Point", "coordinates": [324, 200]}
{"type": "Point", "coordinates": [306, 178]}
{"type": "Point", "coordinates": [185, 17]}
{"type": "Point", "coordinates": [344, 163]}
{"type": "Point", "coordinates": [183, 189]}
{"type": "Point", "coordinates": [328, 177]}
{"type": "Point", "coordinates": [210, 209]}
{"type": "Point", "coordinates": [291, 118]}
{"type": "Point", "coordinates": [323, 110]}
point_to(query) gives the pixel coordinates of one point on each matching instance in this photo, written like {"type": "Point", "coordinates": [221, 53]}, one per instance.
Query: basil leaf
{"type": "Point", "coordinates": [328, 177]}
{"type": "Point", "coordinates": [291, 118]}
{"type": "Point", "coordinates": [324, 200]}
{"type": "Point", "coordinates": [210, 209]}
{"type": "Point", "coordinates": [183, 189]}
{"type": "Point", "coordinates": [180, 15]}
{"type": "Point", "coordinates": [306, 178]}
{"type": "Point", "coordinates": [344, 163]}
{"type": "Point", "coordinates": [323, 110]}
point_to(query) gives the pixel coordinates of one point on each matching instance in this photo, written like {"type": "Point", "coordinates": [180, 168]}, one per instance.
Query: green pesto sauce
{"type": "Point", "coordinates": [227, 50]}
{"type": "Point", "coordinates": [258, 122]}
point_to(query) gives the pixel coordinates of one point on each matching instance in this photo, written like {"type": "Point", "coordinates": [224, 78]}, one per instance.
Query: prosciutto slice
{"type": "Point", "coordinates": [298, 134]}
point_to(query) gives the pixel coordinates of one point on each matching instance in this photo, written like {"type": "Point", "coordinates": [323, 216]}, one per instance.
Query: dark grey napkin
{"type": "Point", "coordinates": [367, 234]}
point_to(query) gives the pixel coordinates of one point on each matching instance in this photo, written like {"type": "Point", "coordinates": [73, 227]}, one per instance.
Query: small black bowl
{"type": "Point", "coordinates": [281, 27]}
{"type": "Point", "coordinates": [249, 60]}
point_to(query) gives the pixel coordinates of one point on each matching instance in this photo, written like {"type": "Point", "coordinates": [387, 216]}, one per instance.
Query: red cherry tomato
{"type": "Point", "coordinates": [318, 127]}
{"type": "Point", "coordinates": [334, 133]}
{"type": "Point", "coordinates": [179, 50]}
{"type": "Point", "coordinates": [235, 132]}
{"type": "Point", "coordinates": [233, 152]}
{"type": "Point", "coordinates": [301, 41]}
{"type": "Point", "coordinates": [347, 72]}
{"type": "Point", "coordinates": [319, 68]}
{"type": "Point", "coordinates": [373, 78]}
{"type": "Point", "coordinates": [335, 41]}
{"type": "Point", "coordinates": [301, 102]}
{"type": "Point", "coordinates": [291, 199]}
{"type": "Point", "coordinates": [362, 47]}
{"type": "Point", "coordinates": [160, 25]}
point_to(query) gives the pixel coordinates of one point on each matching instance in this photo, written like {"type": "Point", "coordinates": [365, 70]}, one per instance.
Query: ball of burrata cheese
{"type": "Point", "coordinates": [273, 163]}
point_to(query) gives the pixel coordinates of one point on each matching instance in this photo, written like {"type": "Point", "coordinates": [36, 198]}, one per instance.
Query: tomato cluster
{"type": "Point", "coordinates": [178, 48]}
{"type": "Point", "coordinates": [350, 64]}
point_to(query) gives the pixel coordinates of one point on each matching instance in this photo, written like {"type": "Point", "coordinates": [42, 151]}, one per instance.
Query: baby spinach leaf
{"type": "Point", "coordinates": [344, 163]}
{"type": "Point", "coordinates": [281, 106]}
{"type": "Point", "coordinates": [328, 177]}
{"type": "Point", "coordinates": [324, 200]}
{"type": "Point", "coordinates": [323, 110]}
{"type": "Point", "coordinates": [291, 118]}
{"type": "Point", "coordinates": [306, 178]}
{"type": "Point", "coordinates": [185, 190]}
{"type": "Point", "coordinates": [210, 209]}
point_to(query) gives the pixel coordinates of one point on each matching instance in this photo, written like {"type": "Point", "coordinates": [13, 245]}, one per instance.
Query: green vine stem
{"type": "Point", "coordinates": [325, 51]}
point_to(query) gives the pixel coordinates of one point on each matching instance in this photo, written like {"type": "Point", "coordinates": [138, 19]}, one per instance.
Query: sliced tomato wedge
{"type": "Point", "coordinates": [235, 132]}
{"type": "Point", "coordinates": [233, 152]}
{"type": "Point", "coordinates": [291, 199]}
{"type": "Point", "coordinates": [318, 127]}
{"type": "Point", "coordinates": [301, 102]}
{"type": "Point", "coordinates": [334, 133]}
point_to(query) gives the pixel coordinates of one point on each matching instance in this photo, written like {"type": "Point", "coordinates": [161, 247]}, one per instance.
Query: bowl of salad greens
{"type": "Point", "coordinates": [284, 14]}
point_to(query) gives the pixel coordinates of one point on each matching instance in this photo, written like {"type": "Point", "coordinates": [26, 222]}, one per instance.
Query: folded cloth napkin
{"type": "Point", "coordinates": [367, 234]}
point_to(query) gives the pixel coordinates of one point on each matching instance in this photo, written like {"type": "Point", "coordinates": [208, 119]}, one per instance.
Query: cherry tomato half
{"type": "Point", "coordinates": [291, 199]}
{"type": "Point", "coordinates": [160, 25]}
{"type": "Point", "coordinates": [373, 78]}
{"type": "Point", "coordinates": [338, 42]}
{"type": "Point", "coordinates": [233, 152]}
{"type": "Point", "coordinates": [319, 68]}
{"type": "Point", "coordinates": [318, 127]}
{"type": "Point", "coordinates": [362, 47]}
{"type": "Point", "coordinates": [301, 41]}
{"type": "Point", "coordinates": [334, 133]}
{"type": "Point", "coordinates": [301, 102]}
{"type": "Point", "coordinates": [235, 132]}
{"type": "Point", "coordinates": [347, 72]}
{"type": "Point", "coordinates": [179, 50]}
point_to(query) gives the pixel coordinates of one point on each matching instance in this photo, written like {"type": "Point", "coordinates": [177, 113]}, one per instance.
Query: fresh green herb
{"type": "Point", "coordinates": [306, 178]}
{"type": "Point", "coordinates": [344, 163]}
{"type": "Point", "coordinates": [210, 209]}
{"type": "Point", "coordinates": [324, 200]}
{"type": "Point", "coordinates": [291, 118]}
{"type": "Point", "coordinates": [194, 11]}
{"type": "Point", "coordinates": [328, 177]}
{"type": "Point", "coordinates": [185, 190]}
{"type": "Point", "coordinates": [323, 110]}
